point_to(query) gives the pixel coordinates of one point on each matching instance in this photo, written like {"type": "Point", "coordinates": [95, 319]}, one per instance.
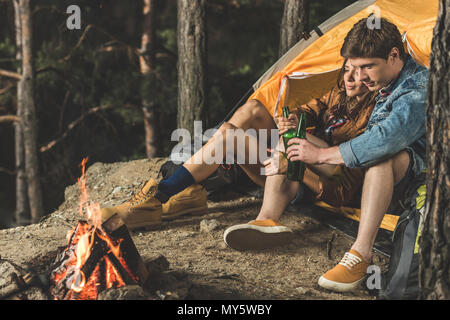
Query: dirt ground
{"type": "Point", "coordinates": [188, 257]}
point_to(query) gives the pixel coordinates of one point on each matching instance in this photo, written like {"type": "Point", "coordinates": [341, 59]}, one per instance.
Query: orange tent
{"type": "Point", "coordinates": [310, 68]}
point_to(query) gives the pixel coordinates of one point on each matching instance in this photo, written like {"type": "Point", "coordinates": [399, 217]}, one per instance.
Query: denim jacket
{"type": "Point", "coordinates": [397, 121]}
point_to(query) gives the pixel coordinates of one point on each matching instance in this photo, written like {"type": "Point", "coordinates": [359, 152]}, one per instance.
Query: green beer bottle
{"type": "Point", "coordinates": [296, 169]}
{"type": "Point", "coordinates": [299, 170]}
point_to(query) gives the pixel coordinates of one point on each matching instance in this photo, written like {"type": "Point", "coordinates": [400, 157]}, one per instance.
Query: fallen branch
{"type": "Point", "coordinates": [10, 74]}
{"type": "Point", "coordinates": [71, 126]}
{"type": "Point", "coordinates": [9, 118]}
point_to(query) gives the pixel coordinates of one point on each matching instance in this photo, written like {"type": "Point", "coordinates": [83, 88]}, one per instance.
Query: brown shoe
{"type": "Point", "coordinates": [141, 211]}
{"type": "Point", "coordinates": [192, 201]}
{"type": "Point", "coordinates": [347, 275]}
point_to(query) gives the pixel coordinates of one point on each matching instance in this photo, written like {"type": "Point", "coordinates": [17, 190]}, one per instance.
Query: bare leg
{"type": "Point", "coordinates": [251, 115]}
{"type": "Point", "coordinates": [377, 193]}
{"type": "Point", "coordinates": [279, 191]}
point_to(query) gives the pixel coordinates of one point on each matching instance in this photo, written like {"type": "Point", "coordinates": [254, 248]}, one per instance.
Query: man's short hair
{"type": "Point", "coordinates": [362, 41]}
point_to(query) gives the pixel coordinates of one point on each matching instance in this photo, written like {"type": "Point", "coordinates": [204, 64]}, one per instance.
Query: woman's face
{"type": "Point", "coordinates": [352, 87]}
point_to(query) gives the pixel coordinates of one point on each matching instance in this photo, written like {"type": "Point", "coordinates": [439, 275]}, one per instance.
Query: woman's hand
{"type": "Point", "coordinates": [276, 164]}
{"type": "Point", "coordinates": [284, 124]}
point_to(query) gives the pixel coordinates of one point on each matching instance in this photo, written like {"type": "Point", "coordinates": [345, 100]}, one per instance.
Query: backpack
{"type": "Point", "coordinates": [401, 281]}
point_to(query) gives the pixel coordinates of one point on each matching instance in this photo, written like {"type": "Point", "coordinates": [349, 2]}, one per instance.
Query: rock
{"type": "Point", "coordinates": [208, 225]}
{"type": "Point", "coordinates": [7, 272]}
{"type": "Point", "coordinates": [157, 265]}
{"type": "Point", "coordinates": [303, 291]}
{"type": "Point", "coordinates": [117, 189]}
{"type": "Point", "coordinates": [132, 292]}
{"type": "Point", "coordinates": [36, 294]}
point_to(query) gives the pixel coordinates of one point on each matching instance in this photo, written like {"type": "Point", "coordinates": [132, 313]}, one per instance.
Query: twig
{"type": "Point", "coordinates": [330, 246]}
{"type": "Point", "coordinates": [80, 41]}
{"type": "Point", "coordinates": [10, 74]}
{"type": "Point", "coordinates": [9, 118]}
{"type": "Point", "coordinates": [7, 88]}
{"type": "Point", "coordinates": [71, 126]}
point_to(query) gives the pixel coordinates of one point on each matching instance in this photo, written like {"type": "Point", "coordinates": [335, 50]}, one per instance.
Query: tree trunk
{"type": "Point", "coordinates": [295, 21]}
{"type": "Point", "coordinates": [435, 247]}
{"type": "Point", "coordinates": [192, 61]}
{"type": "Point", "coordinates": [29, 124]}
{"type": "Point", "coordinates": [22, 213]}
{"type": "Point", "coordinates": [147, 65]}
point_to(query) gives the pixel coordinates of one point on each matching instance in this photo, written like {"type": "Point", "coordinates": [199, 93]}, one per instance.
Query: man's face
{"type": "Point", "coordinates": [375, 73]}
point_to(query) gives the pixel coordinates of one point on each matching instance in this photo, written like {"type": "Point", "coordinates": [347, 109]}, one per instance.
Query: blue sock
{"type": "Point", "coordinates": [180, 180]}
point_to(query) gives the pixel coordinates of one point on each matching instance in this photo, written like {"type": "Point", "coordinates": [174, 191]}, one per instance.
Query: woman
{"type": "Point", "coordinates": [339, 116]}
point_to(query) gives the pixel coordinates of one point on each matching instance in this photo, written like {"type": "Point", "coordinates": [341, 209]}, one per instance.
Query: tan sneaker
{"type": "Point", "coordinates": [141, 211]}
{"type": "Point", "coordinates": [256, 235]}
{"type": "Point", "coordinates": [192, 200]}
{"type": "Point", "coordinates": [347, 275]}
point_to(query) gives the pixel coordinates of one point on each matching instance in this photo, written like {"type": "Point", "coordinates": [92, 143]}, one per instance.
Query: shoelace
{"type": "Point", "coordinates": [350, 260]}
{"type": "Point", "coordinates": [142, 196]}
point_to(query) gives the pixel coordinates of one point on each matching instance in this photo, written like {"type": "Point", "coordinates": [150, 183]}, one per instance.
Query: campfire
{"type": "Point", "coordinates": [98, 256]}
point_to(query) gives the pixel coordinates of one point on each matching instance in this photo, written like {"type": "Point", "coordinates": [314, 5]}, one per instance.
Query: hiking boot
{"type": "Point", "coordinates": [141, 211]}
{"type": "Point", "coordinates": [347, 275]}
{"type": "Point", "coordinates": [192, 200]}
{"type": "Point", "coordinates": [257, 234]}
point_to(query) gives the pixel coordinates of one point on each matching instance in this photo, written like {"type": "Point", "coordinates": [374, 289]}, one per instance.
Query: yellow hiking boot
{"type": "Point", "coordinates": [347, 275]}
{"type": "Point", "coordinates": [191, 200]}
{"type": "Point", "coordinates": [141, 211]}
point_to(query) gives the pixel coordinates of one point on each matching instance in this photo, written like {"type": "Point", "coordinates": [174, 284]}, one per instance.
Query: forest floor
{"type": "Point", "coordinates": [192, 260]}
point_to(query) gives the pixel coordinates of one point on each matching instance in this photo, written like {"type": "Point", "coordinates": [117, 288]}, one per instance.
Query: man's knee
{"type": "Point", "coordinates": [398, 164]}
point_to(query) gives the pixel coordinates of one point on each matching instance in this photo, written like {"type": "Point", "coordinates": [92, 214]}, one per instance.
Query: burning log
{"type": "Point", "coordinates": [98, 256]}
{"type": "Point", "coordinates": [97, 259]}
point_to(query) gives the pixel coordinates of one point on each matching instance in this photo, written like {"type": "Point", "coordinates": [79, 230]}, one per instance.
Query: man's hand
{"type": "Point", "coordinates": [284, 124]}
{"type": "Point", "coordinates": [303, 150]}
{"type": "Point", "coordinates": [276, 164]}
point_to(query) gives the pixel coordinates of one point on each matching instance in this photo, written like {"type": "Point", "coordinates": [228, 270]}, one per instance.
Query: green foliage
{"type": "Point", "coordinates": [7, 49]}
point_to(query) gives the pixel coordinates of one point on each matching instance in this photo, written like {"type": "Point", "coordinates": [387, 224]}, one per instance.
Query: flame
{"type": "Point", "coordinates": [90, 210]}
{"type": "Point", "coordinates": [81, 240]}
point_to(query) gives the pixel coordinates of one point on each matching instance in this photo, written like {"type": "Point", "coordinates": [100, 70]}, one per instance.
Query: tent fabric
{"type": "Point", "coordinates": [309, 69]}
{"type": "Point", "coordinates": [319, 60]}
{"type": "Point", "coordinates": [388, 223]}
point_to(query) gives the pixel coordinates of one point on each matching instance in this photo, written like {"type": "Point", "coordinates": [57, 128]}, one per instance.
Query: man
{"type": "Point", "coordinates": [392, 148]}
